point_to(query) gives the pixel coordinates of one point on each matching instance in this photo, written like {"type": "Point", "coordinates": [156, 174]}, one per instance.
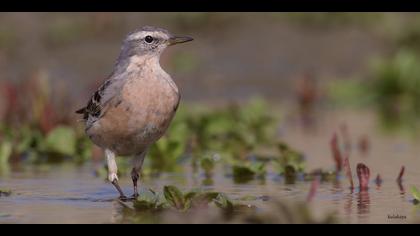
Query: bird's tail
{"type": "Point", "coordinates": [81, 111]}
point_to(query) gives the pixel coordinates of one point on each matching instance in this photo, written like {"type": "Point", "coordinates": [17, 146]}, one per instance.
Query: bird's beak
{"type": "Point", "coordinates": [179, 39]}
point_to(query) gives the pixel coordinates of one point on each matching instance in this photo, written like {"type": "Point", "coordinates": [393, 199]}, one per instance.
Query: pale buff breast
{"type": "Point", "coordinates": [139, 118]}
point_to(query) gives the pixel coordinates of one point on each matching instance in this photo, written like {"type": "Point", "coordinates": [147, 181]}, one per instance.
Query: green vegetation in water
{"type": "Point", "coordinates": [5, 192]}
{"type": "Point", "coordinates": [59, 144]}
{"type": "Point", "coordinates": [290, 160]}
{"type": "Point", "coordinates": [5, 152]}
{"type": "Point", "coordinates": [231, 135]}
{"type": "Point", "coordinates": [392, 89]}
{"type": "Point", "coordinates": [174, 199]}
{"type": "Point", "coordinates": [324, 176]}
{"type": "Point", "coordinates": [416, 195]}
{"type": "Point", "coordinates": [173, 205]}
{"type": "Point", "coordinates": [247, 172]}
{"type": "Point", "coordinates": [207, 163]}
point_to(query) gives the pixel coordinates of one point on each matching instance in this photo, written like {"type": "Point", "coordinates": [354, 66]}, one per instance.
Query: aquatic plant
{"type": "Point", "coordinates": [347, 169]}
{"type": "Point", "coordinates": [363, 173]}
{"type": "Point", "coordinates": [207, 163]}
{"type": "Point", "coordinates": [416, 195]}
{"type": "Point", "coordinates": [313, 189]}
{"type": "Point", "coordinates": [245, 172]}
{"type": "Point", "coordinates": [336, 153]}
{"type": "Point", "coordinates": [175, 206]}
{"type": "Point", "coordinates": [289, 159]}
{"type": "Point", "coordinates": [170, 148]}
{"type": "Point", "coordinates": [5, 192]}
{"type": "Point", "coordinates": [5, 152]}
{"type": "Point", "coordinates": [378, 180]}
{"type": "Point", "coordinates": [391, 88]}
{"type": "Point", "coordinates": [174, 199]}
{"type": "Point", "coordinates": [401, 174]}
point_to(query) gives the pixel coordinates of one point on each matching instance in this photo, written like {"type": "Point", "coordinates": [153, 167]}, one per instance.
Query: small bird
{"type": "Point", "coordinates": [133, 108]}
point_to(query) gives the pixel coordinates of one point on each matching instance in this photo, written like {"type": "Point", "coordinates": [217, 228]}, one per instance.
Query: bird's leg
{"type": "Point", "coordinates": [138, 163]}
{"type": "Point", "coordinates": [135, 178]}
{"type": "Point", "coordinates": [112, 172]}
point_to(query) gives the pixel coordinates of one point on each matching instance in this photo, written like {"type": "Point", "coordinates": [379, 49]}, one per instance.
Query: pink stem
{"type": "Point", "coordinates": [336, 153]}
{"type": "Point", "coordinates": [348, 171]}
{"type": "Point", "coordinates": [400, 176]}
{"type": "Point", "coordinates": [312, 191]}
{"type": "Point", "coordinates": [363, 173]}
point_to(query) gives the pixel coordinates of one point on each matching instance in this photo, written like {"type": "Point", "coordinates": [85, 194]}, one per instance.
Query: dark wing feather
{"type": "Point", "coordinates": [94, 107]}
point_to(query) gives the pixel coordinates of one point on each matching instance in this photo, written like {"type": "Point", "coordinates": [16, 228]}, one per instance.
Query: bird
{"type": "Point", "coordinates": [135, 105]}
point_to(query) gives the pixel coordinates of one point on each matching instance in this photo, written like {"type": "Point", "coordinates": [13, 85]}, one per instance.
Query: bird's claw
{"type": "Point", "coordinates": [131, 198]}
{"type": "Point", "coordinates": [124, 198]}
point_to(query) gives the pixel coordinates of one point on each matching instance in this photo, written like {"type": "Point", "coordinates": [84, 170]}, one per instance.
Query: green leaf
{"type": "Point", "coordinates": [5, 192]}
{"type": "Point", "coordinates": [207, 164]}
{"type": "Point", "coordinates": [61, 140]}
{"type": "Point", "coordinates": [242, 173]}
{"type": "Point", "coordinates": [174, 197]}
{"type": "Point", "coordinates": [415, 192]}
{"type": "Point", "coordinates": [5, 152]}
{"type": "Point", "coordinates": [223, 202]}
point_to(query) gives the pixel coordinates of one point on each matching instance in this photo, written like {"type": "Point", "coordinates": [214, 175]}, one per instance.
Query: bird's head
{"type": "Point", "coordinates": [151, 41]}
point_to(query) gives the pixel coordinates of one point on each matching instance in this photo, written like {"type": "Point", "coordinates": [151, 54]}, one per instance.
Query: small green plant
{"type": "Point", "coordinates": [290, 160]}
{"type": "Point", "coordinates": [170, 148]}
{"type": "Point", "coordinates": [207, 163]}
{"type": "Point", "coordinates": [175, 199]}
{"type": "Point", "coordinates": [392, 88]}
{"type": "Point", "coordinates": [416, 195]}
{"type": "Point", "coordinates": [151, 202]}
{"type": "Point", "coordinates": [5, 152]}
{"type": "Point", "coordinates": [184, 201]}
{"type": "Point", "coordinates": [61, 140]}
{"type": "Point", "coordinates": [5, 192]}
{"type": "Point", "coordinates": [243, 173]}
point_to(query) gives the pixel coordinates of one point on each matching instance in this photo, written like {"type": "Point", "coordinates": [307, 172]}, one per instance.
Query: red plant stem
{"type": "Point", "coordinates": [348, 171]}
{"type": "Point", "coordinates": [336, 153]}
{"type": "Point", "coordinates": [312, 191]}
{"type": "Point", "coordinates": [400, 176]}
{"type": "Point", "coordinates": [363, 173]}
{"type": "Point", "coordinates": [378, 180]}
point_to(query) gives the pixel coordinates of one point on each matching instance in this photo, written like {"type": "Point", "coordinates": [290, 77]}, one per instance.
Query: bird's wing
{"type": "Point", "coordinates": [100, 100]}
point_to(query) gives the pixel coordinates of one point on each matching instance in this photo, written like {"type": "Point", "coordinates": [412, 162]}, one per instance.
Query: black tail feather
{"type": "Point", "coordinates": [81, 111]}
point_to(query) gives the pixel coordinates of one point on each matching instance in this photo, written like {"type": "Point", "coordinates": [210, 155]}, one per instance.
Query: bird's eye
{"type": "Point", "coordinates": [148, 39]}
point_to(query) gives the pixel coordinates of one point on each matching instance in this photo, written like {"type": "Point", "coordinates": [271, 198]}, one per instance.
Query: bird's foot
{"type": "Point", "coordinates": [123, 198]}
{"type": "Point", "coordinates": [135, 195]}
{"type": "Point", "coordinates": [131, 198]}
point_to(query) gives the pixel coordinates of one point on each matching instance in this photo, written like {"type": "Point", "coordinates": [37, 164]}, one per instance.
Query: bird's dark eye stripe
{"type": "Point", "coordinates": [148, 39]}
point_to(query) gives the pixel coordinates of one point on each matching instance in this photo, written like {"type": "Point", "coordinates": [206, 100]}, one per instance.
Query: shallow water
{"type": "Point", "coordinates": [70, 194]}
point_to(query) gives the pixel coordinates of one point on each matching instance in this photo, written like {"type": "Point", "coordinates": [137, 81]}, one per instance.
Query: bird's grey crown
{"type": "Point", "coordinates": [149, 29]}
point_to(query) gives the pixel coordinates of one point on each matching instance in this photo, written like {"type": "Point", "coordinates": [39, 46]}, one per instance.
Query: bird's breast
{"type": "Point", "coordinates": [143, 114]}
